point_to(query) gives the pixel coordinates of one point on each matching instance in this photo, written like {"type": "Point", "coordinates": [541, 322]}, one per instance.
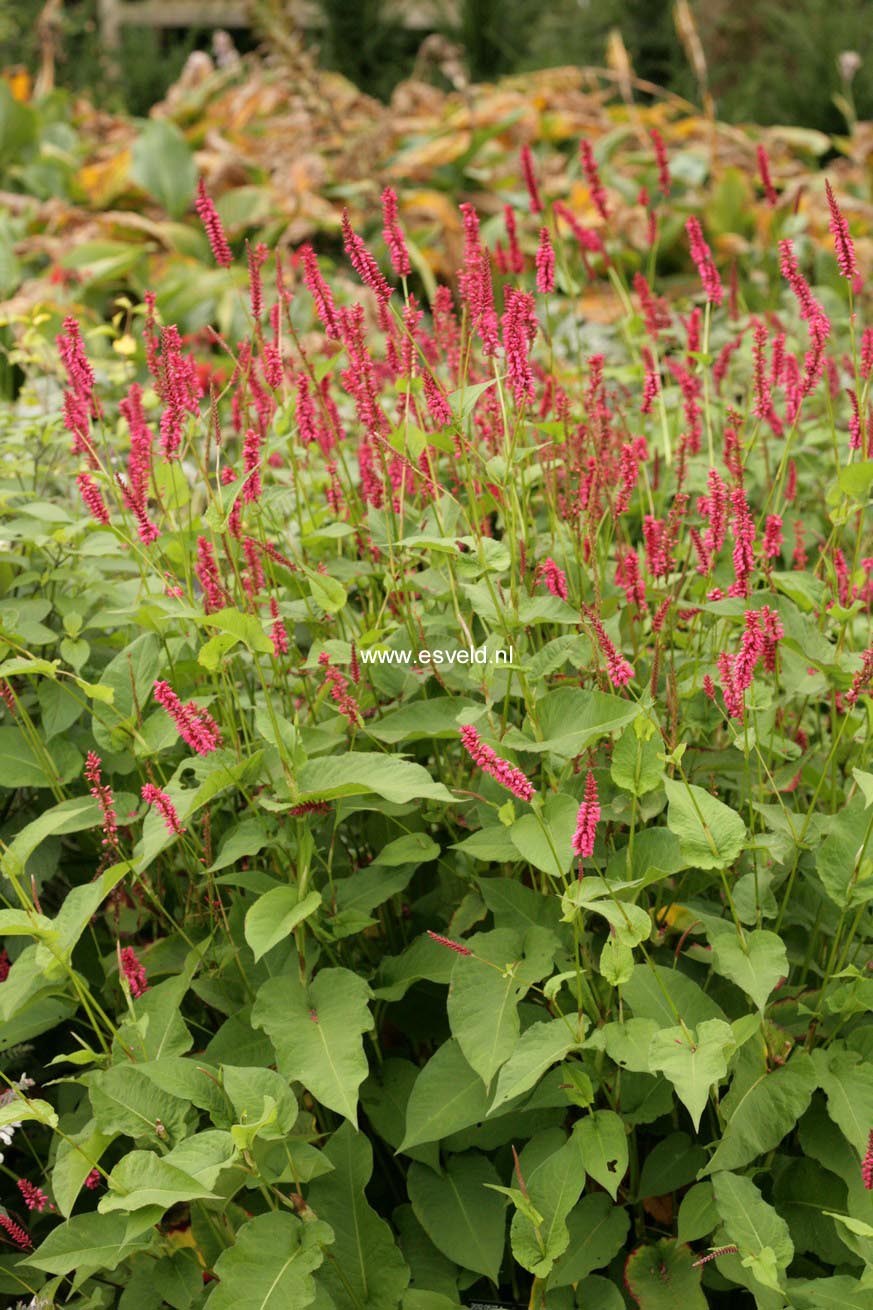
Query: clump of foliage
{"type": "Point", "coordinates": [436, 775]}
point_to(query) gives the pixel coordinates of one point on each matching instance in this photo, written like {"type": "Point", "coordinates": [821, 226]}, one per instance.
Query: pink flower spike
{"type": "Point", "coordinates": [490, 762]}
{"type": "Point", "coordinates": [16, 1233]}
{"type": "Point", "coordinates": [702, 257]}
{"type": "Point", "coordinates": [447, 942]}
{"type": "Point", "coordinates": [587, 820]}
{"type": "Point", "coordinates": [94, 502]}
{"type": "Point", "coordinates": [843, 245]}
{"type": "Point", "coordinates": [208, 215]}
{"type": "Point", "coordinates": [530, 180]}
{"type": "Point", "coordinates": [867, 1164]}
{"type": "Point", "coordinates": [34, 1197]}
{"type": "Point", "coordinates": [133, 971]}
{"type": "Point", "coordinates": [363, 262]}
{"type": "Point", "coordinates": [393, 234]}
{"type": "Point", "coordinates": [662, 162]}
{"type": "Point", "coordinates": [592, 175]}
{"type": "Point", "coordinates": [160, 800]}
{"type": "Point", "coordinates": [102, 794]}
{"type": "Point", "coordinates": [554, 577]}
{"type": "Point", "coordinates": [766, 179]}
{"type": "Point", "coordinates": [92, 1182]}
{"type": "Point", "coordinates": [545, 262]}
{"type": "Point", "coordinates": [196, 727]}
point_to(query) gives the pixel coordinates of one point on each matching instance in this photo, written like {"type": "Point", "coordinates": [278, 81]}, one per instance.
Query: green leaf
{"type": "Point", "coordinates": [697, 1216]}
{"type": "Point", "coordinates": [74, 815]}
{"type": "Point", "coordinates": [232, 623]}
{"type": "Point", "coordinates": [554, 1186]}
{"type": "Point", "coordinates": [661, 1277]}
{"type": "Point", "coordinates": [275, 915]}
{"type": "Point", "coordinates": [205, 1155]}
{"type": "Point", "coordinates": [545, 840]}
{"type": "Point", "coordinates": [163, 165]}
{"type": "Point", "coordinates": [247, 1089]}
{"type": "Point", "coordinates": [597, 1233]}
{"type": "Point", "coordinates": [711, 834]}
{"type": "Point", "coordinates": [125, 1101]}
{"type": "Point", "coordinates": [270, 1265]}
{"type": "Point", "coordinates": [327, 593]}
{"type": "Point", "coordinates": [142, 1179]}
{"type": "Point", "coordinates": [77, 1155]}
{"type": "Point", "coordinates": [751, 1224]}
{"type": "Point", "coordinates": [483, 1002]}
{"type": "Point", "coordinates": [316, 1033]}
{"type": "Point", "coordinates": [603, 1140]}
{"type": "Point", "coordinates": [20, 1109]}
{"type": "Point", "coordinates": [768, 1110]}
{"type": "Point", "coordinates": [374, 1273]}
{"type": "Point", "coordinates": [571, 719]}
{"type": "Point", "coordinates": [647, 991]}
{"type": "Point", "coordinates": [21, 766]}
{"type": "Point", "coordinates": [847, 1082]}
{"type": "Point", "coordinates": [856, 479]}
{"type": "Point", "coordinates": [87, 1241]}
{"type": "Point", "coordinates": [412, 848]}
{"type": "Point", "coordinates": [539, 1047]}
{"type": "Point", "coordinates": [693, 1061]}
{"type": "Point", "coordinates": [755, 965]}
{"type": "Point", "coordinates": [635, 766]}
{"type": "Point", "coordinates": [461, 1216]}
{"type": "Point", "coordinates": [358, 773]}
{"type": "Point", "coordinates": [841, 1292]}
{"type": "Point", "coordinates": [448, 1095]}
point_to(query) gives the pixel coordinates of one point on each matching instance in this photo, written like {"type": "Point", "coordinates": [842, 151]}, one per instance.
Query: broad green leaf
{"type": "Point", "coordinates": [635, 766]}
{"type": "Point", "coordinates": [359, 773]}
{"type": "Point", "coordinates": [413, 848]}
{"type": "Point", "coordinates": [461, 1216]}
{"type": "Point", "coordinates": [244, 628]}
{"type": "Point", "coordinates": [554, 1186]}
{"type": "Point", "coordinates": [275, 915]}
{"type": "Point", "coordinates": [316, 1032]}
{"type": "Point", "coordinates": [247, 838]}
{"type": "Point", "coordinates": [545, 840]}
{"type": "Point", "coordinates": [74, 815]}
{"type": "Point", "coordinates": [630, 923]}
{"type": "Point", "coordinates": [570, 719]}
{"type": "Point", "coordinates": [694, 1061]}
{"type": "Point", "coordinates": [439, 717]}
{"type": "Point", "coordinates": [842, 1292]}
{"type": "Point", "coordinates": [767, 1110]}
{"type": "Point", "coordinates": [697, 1216]}
{"type": "Point", "coordinates": [483, 1002]}
{"type": "Point", "coordinates": [655, 992]}
{"type": "Point", "coordinates": [448, 1095]}
{"type": "Point", "coordinates": [597, 1233]}
{"type": "Point", "coordinates": [327, 593]}
{"type": "Point", "coordinates": [141, 1178]}
{"type": "Point", "coordinates": [671, 1163]}
{"type": "Point", "coordinates": [367, 1267]}
{"type": "Point", "coordinates": [847, 1082]}
{"type": "Point", "coordinates": [22, 766]}
{"type": "Point", "coordinates": [711, 834]}
{"type": "Point", "coordinates": [603, 1140]}
{"type": "Point", "coordinates": [247, 1088]}
{"type": "Point", "coordinates": [270, 1265]}
{"type": "Point", "coordinates": [87, 1241]}
{"type": "Point", "coordinates": [78, 1153]}
{"type": "Point", "coordinates": [539, 1047]}
{"type": "Point", "coordinates": [755, 965]}
{"type": "Point", "coordinates": [205, 1155]}
{"type": "Point", "coordinates": [21, 1108]}
{"type": "Point", "coordinates": [125, 1101]}
{"type": "Point", "coordinates": [163, 165]}
{"type": "Point", "coordinates": [662, 1277]}
{"type": "Point", "coordinates": [750, 1223]}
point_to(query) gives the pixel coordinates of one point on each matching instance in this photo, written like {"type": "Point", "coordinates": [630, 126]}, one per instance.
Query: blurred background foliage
{"type": "Point", "coordinates": [769, 61]}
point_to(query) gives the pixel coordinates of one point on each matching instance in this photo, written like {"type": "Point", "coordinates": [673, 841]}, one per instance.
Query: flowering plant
{"type": "Point", "coordinates": [346, 976]}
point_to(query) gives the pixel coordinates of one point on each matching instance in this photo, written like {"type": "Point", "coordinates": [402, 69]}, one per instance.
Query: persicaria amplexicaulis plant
{"type": "Point", "coordinates": [435, 775]}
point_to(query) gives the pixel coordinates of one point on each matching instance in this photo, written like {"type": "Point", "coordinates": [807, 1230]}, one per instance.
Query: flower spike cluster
{"type": "Point", "coordinates": [490, 762]}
